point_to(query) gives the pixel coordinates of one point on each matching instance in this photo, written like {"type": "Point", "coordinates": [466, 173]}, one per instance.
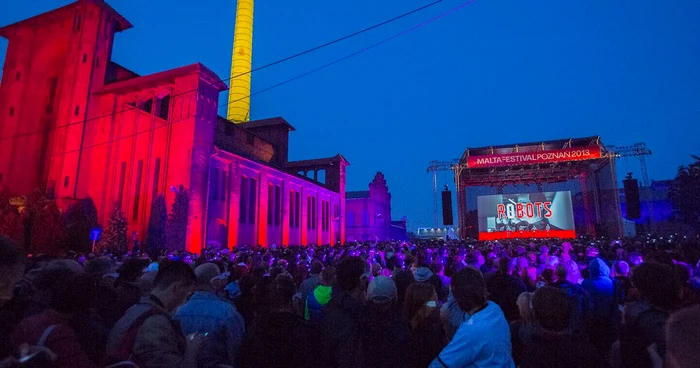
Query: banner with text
{"type": "Point", "coordinates": [532, 158]}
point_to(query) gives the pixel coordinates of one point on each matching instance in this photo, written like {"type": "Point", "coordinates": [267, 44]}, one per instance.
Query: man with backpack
{"type": "Point", "coordinates": [147, 334]}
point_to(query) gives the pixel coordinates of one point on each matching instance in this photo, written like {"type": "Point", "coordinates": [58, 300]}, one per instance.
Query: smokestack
{"type": "Point", "coordinates": [241, 61]}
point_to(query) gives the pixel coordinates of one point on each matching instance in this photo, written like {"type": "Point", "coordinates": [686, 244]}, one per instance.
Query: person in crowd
{"type": "Point", "coordinates": [310, 284]}
{"type": "Point", "coordinates": [644, 320]}
{"type": "Point", "coordinates": [12, 265]}
{"type": "Point", "coordinates": [504, 288]}
{"type": "Point", "coordinates": [70, 297]}
{"type": "Point", "coordinates": [206, 313]}
{"type": "Point", "coordinates": [682, 339]}
{"type": "Point", "coordinates": [605, 315]}
{"type": "Point", "coordinates": [245, 303]}
{"type": "Point", "coordinates": [688, 293]}
{"type": "Point", "coordinates": [423, 274]}
{"type": "Point", "coordinates": [280, 338]}
{"type": "Point", "coordinates": [385, 334]}
{"type": "Point", "coordinates": [438, 268]}
{"type": "Point", "coordinates": [620, 274]}
{"type": "Point", "coordinates": [427, 334]}
{"type": "Point", "coordinates": [553, 345]}
{"type": "Point", "coordinates": [483, 338]}
{"type": "Point", "coordinates": [346, 315]}
{"type": "Point", "coordinates": [578, 298]}
{"type": "Point", "coordinates": [521, 330]}
{"type": "Point", "coordinates": [403, 279]}
{"type": "Point", "coordinates": [319, 298]}
{"type": "Point", "coordinates": [147, 334]}
{"type": "Point", "coordinates": [452, 316]}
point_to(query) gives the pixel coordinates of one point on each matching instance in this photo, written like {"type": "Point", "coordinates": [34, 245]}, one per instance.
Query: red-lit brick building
{"type": "Point", "coordinates": [78, 124]}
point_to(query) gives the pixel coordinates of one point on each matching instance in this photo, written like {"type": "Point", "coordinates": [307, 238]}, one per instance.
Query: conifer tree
{"type": "Point", "coordinates": [114, 236]}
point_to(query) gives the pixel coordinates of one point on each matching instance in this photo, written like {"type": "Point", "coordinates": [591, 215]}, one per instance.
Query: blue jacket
{"type": "Point", "coordinates": [601, 289]}
{"type": "Point", "coordinates": [482, 340]}
{"type": "Point", "coordinates": [207, 313]}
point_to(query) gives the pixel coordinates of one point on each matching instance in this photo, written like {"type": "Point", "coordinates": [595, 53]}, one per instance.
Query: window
{"type": "Point", "coordinates": [242, 208]}
{"type": "Point", "coordinates": [65, 182]}
{"type": "Point", "coordinates": [314, 220]}
{"type": "Point", "coordinates": [297, 209]}
{"type": "Point", "coordinates": [324, 215]}
{"type": "Point", "coordinates": [84, 58]}
{"type": "Point", "coordinates": [156, 177]}
{"type": "Point", "coordinates": [308, 212]}
{"type": "Point", "coordinates": [76, 22]}
{"type": "Point", "coordinates": [137, 191]}
{"type": "Point", "coordinates": [270, 204]}
{"type": "Point", "coordinates": [122, 176]}
{"type": "Point", "coordinates": [292, 209]}
{"type": "Point", "coordinates": [164, 107]}
{"type": "Point", "coordinates": [12, 111]}
{"type": "Point", "coordinates": [53, 84]}
{"type": "Point", "coordinates": [76, 112]}
{"type": "Point", "coordinates": [252, 195]}
{"type": "Point", "coordinates": [278, 205]}
{"type": "Point", "coordinates": [224, 185]}
{"type": "Point", "coordinates": [147, 106]}
{"type": "Point", "coordinates": [18, 76]}
{"type": "Point", "coordinates": [214, 189]}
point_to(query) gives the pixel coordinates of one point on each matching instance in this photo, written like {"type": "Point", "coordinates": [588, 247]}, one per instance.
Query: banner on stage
{"type": "Point", "coordinates": [532, 158]}
{"type": "Point", "coordinates": [528, 215]}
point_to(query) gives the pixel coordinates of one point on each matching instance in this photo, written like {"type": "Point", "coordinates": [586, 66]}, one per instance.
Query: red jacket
{"type": "Point", "coordinates": [62, 340]}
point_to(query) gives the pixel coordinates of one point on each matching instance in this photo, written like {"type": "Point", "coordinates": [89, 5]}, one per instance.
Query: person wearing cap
{"type": "Point", "coordinates": [386, 336]}
{"type": "Point", "coordinates": [483, 338]}
{"type": "Point", "coordinates": [206, 313]}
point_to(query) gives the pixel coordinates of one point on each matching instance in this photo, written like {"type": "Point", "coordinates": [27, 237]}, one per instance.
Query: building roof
{"type": "Point", "coordinates": [121, 23]}
{"type": "Point", "coordinates": [160, 77]}
{"type": "Point", "coordinates": [317, 161]}
{"type": "Point", "coordinates": [264, 123]}
{"type": "Point", "coordinates": [358, 194]}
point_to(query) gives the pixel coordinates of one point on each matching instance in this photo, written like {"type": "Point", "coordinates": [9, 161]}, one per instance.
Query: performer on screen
{"type": "Point", "coordinates": [548, 228]}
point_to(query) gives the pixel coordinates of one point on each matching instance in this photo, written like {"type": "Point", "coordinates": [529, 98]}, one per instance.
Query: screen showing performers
{"type": "Point", "coordinates": [526, 215]}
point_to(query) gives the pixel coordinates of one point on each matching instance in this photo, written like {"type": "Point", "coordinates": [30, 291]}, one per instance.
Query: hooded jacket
{"type": "Point", "coordinates": [601, 289]}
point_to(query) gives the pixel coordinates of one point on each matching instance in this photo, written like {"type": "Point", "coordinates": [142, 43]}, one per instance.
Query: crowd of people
{"type": "Point", "coordinates": [534, 303]}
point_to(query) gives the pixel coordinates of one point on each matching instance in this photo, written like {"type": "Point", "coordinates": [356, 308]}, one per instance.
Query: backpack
{"type": "Point", "coordinates": [123, 356]}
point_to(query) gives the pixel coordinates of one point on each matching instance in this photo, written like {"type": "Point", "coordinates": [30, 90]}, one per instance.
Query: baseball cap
{"type": "Point", "coordinates": [381, 290]}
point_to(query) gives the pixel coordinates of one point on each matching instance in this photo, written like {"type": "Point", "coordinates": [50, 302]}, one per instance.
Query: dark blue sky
{"type": "Point", "coordinates": [495, 72]}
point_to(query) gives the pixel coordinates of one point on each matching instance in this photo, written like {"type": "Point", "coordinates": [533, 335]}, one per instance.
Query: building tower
{"type": "Point", "coordinates": [241, 61]}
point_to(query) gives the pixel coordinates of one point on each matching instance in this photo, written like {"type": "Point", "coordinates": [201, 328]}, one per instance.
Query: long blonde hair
{"type": "Point", "coordinates": [525, 307]}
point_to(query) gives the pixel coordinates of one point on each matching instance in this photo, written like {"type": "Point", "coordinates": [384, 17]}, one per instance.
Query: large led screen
{"type": "Point", "coordinates": [526, 215]}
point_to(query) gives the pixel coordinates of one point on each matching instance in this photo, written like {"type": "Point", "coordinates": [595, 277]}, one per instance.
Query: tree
{"type": "Point", "coordinates": [79, 220]}
{"type": "Point", "coordinates": [684, 193]}
{"type": "Point", "coordinates": [114, 236]}
{"type": "Point", "coordinates": [155, 238]}
{"type": "Point", "coordinates": [176, 230]}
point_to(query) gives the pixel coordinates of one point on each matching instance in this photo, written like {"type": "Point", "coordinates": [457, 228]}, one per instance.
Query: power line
{"type": "Point", "coordinates": [316, 48]}
{"type": "Point", "coordinates": [442, 15]}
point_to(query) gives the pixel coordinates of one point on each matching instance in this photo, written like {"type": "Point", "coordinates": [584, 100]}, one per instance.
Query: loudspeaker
{"type": "Point", "coordinates": [446, 207]}
{"type": "Point", "coordinates": [632, 198]}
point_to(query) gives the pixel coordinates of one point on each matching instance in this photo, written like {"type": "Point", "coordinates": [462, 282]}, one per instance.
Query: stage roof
{"type": "Point", "coordinates": [532, 163]}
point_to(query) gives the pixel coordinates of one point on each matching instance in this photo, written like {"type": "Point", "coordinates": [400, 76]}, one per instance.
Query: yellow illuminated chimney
{"type": "Point", "coordinates": [241, 61]}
